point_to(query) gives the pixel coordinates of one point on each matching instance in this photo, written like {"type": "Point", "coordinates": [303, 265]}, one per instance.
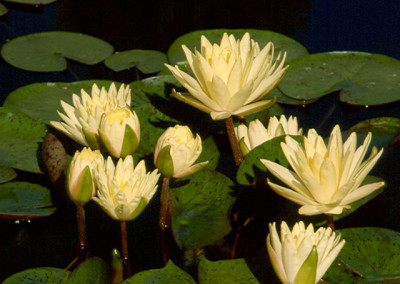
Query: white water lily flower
{"type": "Point", "coordinates": [120, 132]}
{"type": "Point", "coordinates": [81, 121]}
{"type": "Point", "coordinates": [256, 134]}
{"type": "Point", "coordinates": [123, 191]}
{"type": "Point", "coordinates": [230, 78]}
{"type": "Point", "coordinates": [325, 178]}
{"type": "Point", "coordinates": [176, 151]}
{"type": "Point", "coordinates": [292, 254]}
{"type": "Point", "coordinates": [80, 175]}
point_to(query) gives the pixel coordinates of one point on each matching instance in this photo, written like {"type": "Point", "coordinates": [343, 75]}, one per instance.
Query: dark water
{"type": "Point", "coordinates": [371, 26]}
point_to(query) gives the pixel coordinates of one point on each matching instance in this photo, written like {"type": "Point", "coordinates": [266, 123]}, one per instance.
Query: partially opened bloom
{"type": "Point", "coordinates": [230, 78]}
{"type": "Point", "coordinates": [123, 191]}
{"type": "Point", "coordinates": [80, 175]}
{"type": "Point", "coordinates": [120, 132]}
{"type": "Point", "coordinates": [81, 121]}
{"type": "Point", "coordinates": [176, 151]}
{"type": "Point", "coordinates": [256, 134]}
{"type": "Point", "coordinates": [302, 256]}
{"type": "Point", "coordinates": [325, 178]}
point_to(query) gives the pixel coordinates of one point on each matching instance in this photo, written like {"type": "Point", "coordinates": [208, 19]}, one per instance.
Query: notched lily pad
{"type": "Point", "coordinates": [372, 253]}
{"type": "Point", "coordinates": [24, 200]}
{"type": "Point", "coordinates": [93, 270]}
{"type": "Point", "coordinates": [3, 10]}
{"type": "Point", "coordinates": [147, 61]}
{"type": "Point", "coordinates": [192, 40]}
{"type": "Point", "coordinates": [46, 51]}
{"type": "Point", "coordinates": [361, 78]}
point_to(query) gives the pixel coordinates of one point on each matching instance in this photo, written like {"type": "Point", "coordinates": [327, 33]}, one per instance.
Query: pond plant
{"type": "Point", "coordinates": [112, 141]}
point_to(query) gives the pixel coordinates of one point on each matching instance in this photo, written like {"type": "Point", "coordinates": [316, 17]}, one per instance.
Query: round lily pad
{"type": "Point", "coordinates": [147, 61]}
{"type": "Point", "coordinates": [201, 205]}
{"type": "Point", "coordinates": [42, 100]}
{"type": "Point", "coordinates": [20, 137]}
{"type": "Point", "coordinates": [378, 126]}
{"type": "Point", "coordinates": [24, 200]}
{"type": "Point", "coordinates": [7, 174]}
{"type": "Point", "coordinates": [37, 275]}
{"type": "Point", "coordinates": [361, 78]}
{"type": "Point", "coordinates": [281, 42]}
{"type": "Point", "coordinates": [372, 253]}
{"type": "Point", "coordinates": [46, 51]}
{"type": "Point", "coordinates": [3, 10]}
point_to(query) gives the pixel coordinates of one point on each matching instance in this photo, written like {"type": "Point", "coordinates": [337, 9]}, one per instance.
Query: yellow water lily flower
{"type": "Point", "coordinates": [176, 151]}
{"type": "Point", "coordinates": [80, 175]}
{"type": "Point", "coordinates": [230, 78]}
{"type": "Point", "coordinates": [256, 134]}
{"type": "Point", "coordinates": [302, 256]}
{"type": "Point", "coordinates": [326, 178]}
{"type": "Point", "coordinates": [123, 191]}
{"type": "Point", "coordinates": [81, 121]}
{"type": "Point", "coordinates": [120, 132]}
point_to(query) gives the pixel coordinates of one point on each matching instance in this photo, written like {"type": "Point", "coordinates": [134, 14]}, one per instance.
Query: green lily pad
{"type": "Point", "coordinates": [93, 270]}
{"type": "Point", "coordinates": [168, 274]}
{"type": "Point", "coordinates": [339, 273]}
{"type": "Point", "coordinates": [3, 10]}
{"type": "Point", "coordinates": [362, 78]}
{"type": "Point", "coordinates": [252, 167]}
{"type": "Point", "coordinates": [192, 40]}
{"type": "Point", "coordinates": [24, 200]}
{"type": "Point", "coordinates": [372, 253]}
{"type": "Point", "coordinates": [225, 271]}
{"type": "Point", "coordinates": [32, 2]}
{"type": "Point", "coordinates": [37, 275]}
{"type": "Point", "coordinates": [42, 100]}
{"type": "Point", "coordinates": [20, 137]}
{"type": "Point", "coordinates": [7, 174]}
{"type": "Point", "coordinates": [201, 205]}
{"type": "Point", "coordinates": [378, 126]}
{"type": "Point", "coordinates": [147, 61]}
{"type": "Point", "coordinates": [46, 51]}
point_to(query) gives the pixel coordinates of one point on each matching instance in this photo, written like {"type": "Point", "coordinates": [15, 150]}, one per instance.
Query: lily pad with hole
{"type": "Point", "coordinates": [24, 200]}
{"type": "Point", "coordinates": [48, 51]}
{"type": "Point", "coordinates": [20, 139]}
{"type": "Point", "coordinates": [146, 61]}
{"type": "Point", "coordinates": [42, 100]}
{"type": "Point", "coordinates": [281, 42]}
{"type": "Point", "coordinates": [372, 253]}
{"type": "Point", "coordinates": [361, 78]}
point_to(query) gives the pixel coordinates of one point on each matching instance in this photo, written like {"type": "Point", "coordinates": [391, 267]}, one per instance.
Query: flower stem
{"type": "Point", "coordinates": [124, 248]}
{"type": "Point", "coordinates": [330, 223]}
{"type": "Point", "coordinates": [233, 141]}
{"type": "Point", "coordinates": [165, 218]}
{"type": "Point", "coordinates": [80, 210]}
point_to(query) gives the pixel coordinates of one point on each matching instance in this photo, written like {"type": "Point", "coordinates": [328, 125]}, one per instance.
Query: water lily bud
{"type": "Point", "coordinates": [120, 132]}
{"type": "Point", "coordinates": [176, 151]}
{"type": "Point", "coordinates": [80, 185]}
{"type": "Point", "coordinates": [302, 255]}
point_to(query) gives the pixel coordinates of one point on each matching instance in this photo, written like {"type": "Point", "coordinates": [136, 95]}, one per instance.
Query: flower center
{"type": "Point", "coordinates": [117, 115]}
